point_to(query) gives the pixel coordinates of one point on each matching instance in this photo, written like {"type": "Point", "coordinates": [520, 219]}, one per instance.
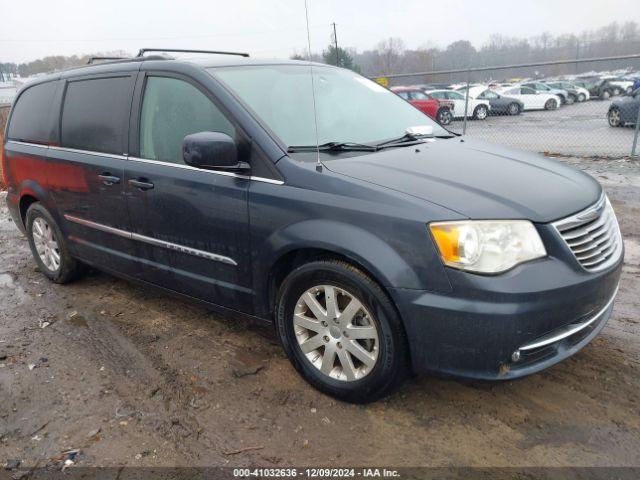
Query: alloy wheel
{"type": "Point", "coordinates": [614, 117]}
{"type": "Point", "coordinates": [514, 109]}
{"type": "Point", "coordinates": [46, 244]}
{"type": "Point", "coordinates": [481, 113]}
{"type": "Point", "coordinates": [336, 333]}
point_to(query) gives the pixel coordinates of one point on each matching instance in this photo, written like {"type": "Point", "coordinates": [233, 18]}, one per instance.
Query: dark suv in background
{"type": "Point", "coordinates": [378, 242]}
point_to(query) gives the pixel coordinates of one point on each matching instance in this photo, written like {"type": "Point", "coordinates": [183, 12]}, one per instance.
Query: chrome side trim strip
{"type": "Point", "coordinates": [144, 160]}
{"type": "Point", "coordinates": [567, 330]}
{"type": "Point", "coordinates": [28, 144]}
{"type": "Point", "coordinates": [89, 152]}
{"type": "Point", "coordinates": [152, 241]}
{"type": "Point", "coordinates": [215, 172]}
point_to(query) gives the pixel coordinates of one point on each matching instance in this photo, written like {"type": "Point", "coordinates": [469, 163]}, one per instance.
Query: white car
{"type": "Point", "coordinates": [478, 109]}
{"type": "Point", "coordinates": [531, 99]}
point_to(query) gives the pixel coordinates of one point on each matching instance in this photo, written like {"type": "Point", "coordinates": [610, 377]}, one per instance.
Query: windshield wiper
{"type": "Point", "coordinates": [334, 147]}
{"type": "Point", "coordinates": [408, 139]}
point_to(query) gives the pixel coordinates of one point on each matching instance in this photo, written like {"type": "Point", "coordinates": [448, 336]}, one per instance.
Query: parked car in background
{"type": "Point", "coordinates": [532, 99]}
{"type": "Point", "coordinates": [440, 110]}
{"type": "Point", "coordinates": [624, 110]}
{"type": "Point", "coordinates": [564, 95]}
{"type": "Point", "coordinates": [620, 85]}
{"type": "Point", "coordinates": [580, 93]}
{"type": "Point", "coordinates": [476, 108]}
{"type": "Point", "coordinates": [599, 88]}
{"type": "Point", "coordinates": [500, 104]}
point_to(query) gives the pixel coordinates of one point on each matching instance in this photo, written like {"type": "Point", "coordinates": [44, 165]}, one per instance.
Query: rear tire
{"type": "Point", "coordinates": [581, 97]}
{"type": "Point", "coordinates": [329, 281]}
{"type": "Point", "coordinates": [606, 95]}
{"type": "Point", "coordinates": [481, 112]}
{"type": "Point", "coordinates": [513, 109]}
{"type": "Point", "coordinates": [49, 247]}
{"type": "Point", "coordinates": [571, 99]}
{"type": "Point", "coordinates": [551, 104]}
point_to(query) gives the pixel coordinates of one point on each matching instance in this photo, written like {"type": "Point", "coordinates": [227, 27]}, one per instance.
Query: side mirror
{"type": "Point", "coordinates": [212, 150]}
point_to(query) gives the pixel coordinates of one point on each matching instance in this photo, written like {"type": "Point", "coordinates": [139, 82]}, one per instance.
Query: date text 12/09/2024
{"type": "Point", "coordinates": [315, 473]}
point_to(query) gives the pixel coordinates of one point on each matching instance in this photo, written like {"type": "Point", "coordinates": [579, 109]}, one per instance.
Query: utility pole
{"type": "Point", "coordinates": [335, 41]}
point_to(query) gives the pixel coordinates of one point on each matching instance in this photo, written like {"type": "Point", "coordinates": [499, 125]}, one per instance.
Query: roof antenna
{"type": "Point", "coordinates": [313, 91]}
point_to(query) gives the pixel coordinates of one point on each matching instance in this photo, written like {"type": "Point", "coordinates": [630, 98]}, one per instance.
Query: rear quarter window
{"type": "Point", "coordinates": [95, 114]}
{"type": "Point", "coordinates": [31, 119]}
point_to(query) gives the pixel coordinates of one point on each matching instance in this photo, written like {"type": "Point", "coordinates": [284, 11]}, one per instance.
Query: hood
{"type": "Point", "coordinates": [476, 179]}
{"type": "Point", "coordinates": [623, 100]}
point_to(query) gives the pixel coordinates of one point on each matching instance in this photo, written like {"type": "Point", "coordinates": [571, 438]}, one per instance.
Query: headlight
{"type": "Point", "coordinates": [487, 246]}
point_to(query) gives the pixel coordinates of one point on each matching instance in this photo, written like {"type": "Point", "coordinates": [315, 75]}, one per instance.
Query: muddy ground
{"type": "Point", "coordinates": [132, 377]}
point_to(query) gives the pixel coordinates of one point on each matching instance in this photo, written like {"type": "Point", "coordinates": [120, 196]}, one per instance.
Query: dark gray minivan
{"type": "Point", "coordinates": [378, 242]}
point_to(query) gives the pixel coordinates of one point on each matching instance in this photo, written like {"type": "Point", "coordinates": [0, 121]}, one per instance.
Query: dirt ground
{"type": "Point", "coordinates": [129, 376]}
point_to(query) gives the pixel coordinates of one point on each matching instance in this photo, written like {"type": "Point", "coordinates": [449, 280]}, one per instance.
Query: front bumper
{"type": "Point", "coordinates": [509, 325]}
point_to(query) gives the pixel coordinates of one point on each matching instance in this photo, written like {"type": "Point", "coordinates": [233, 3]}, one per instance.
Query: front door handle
{"type": "Point", "coordinates": [109, 179]}
{"type": "Point", "coordinates": [141, 183]}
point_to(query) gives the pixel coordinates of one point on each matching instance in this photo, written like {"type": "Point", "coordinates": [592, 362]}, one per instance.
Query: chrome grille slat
{"type": "Point", "coordinates": [601, 249]}
{"type": "Point", "coordinates": [589, 238]}
{"type": "Point", "coordinates": [593, 236]}
{"type": "Point", "coordinates": [591, 245]}
{"type": "Point", "coordinates": [579, 232]}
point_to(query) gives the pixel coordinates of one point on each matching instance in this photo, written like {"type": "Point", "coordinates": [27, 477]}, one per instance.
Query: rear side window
{"type": "Point", "coordinates": [31, 118]}
{"type": "Point", "coordinates": [95, 114]}
{"type": "Point", "coordinates": [171, 110]}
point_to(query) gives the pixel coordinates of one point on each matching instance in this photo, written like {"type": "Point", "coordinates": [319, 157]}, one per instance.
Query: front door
{"type": "Point", "coordinates": [191, 225]}
{"type": "Point", "coordinates": [86, 171]}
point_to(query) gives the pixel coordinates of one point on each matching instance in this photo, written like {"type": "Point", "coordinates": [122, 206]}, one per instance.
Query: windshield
{"type": "Point", "coordinates": [350, 108]}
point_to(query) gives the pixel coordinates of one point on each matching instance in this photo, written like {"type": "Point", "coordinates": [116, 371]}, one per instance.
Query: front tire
{"type": "Point", "coordinates": [481, 112]}
{"type": "Point", "coordinates": [606, 95]}
{"type": "Point", "coordinates": [551, 104]}
{"type": "Point", "coordinates": [513, 109]}
{"type": "Point", "coordinates": [613, 116]}
{"type": "Point", "coordinates": [341, 331]}
{"type": "Point", "coordinates": [444, 116]}
{"type": "Point", "coordinates": [49, 247]}
{"type": "Point", "coordinates": [571, 99]}
{"type": "Point", "coordinates": [581, 97]}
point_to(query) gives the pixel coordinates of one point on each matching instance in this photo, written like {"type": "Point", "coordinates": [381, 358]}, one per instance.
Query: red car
{"type": "Point", "coordinates": [438, 109]}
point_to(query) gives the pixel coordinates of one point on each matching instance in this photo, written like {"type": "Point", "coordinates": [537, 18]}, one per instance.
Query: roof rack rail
{"type": "Point", "coordinates": [106, 59]}
{"type": "Point", "coordinates": [180, 50]}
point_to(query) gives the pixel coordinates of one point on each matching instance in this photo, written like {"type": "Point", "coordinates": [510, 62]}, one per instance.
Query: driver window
{"type": "Point", "coordinates": [171, 110]}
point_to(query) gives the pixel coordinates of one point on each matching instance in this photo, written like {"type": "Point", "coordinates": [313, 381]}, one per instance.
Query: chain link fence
{"type": "Point", "coordinates": [593, 111]}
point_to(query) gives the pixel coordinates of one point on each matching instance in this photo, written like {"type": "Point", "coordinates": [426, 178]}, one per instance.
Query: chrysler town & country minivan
{"type": "Point", "coordinates": [377, 242]}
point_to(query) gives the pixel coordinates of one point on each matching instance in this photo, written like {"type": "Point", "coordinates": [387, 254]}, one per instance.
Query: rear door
{"type": "Point", "coordinates": [86, 171]}
{"type": "Point", "coordinates": [191, 224]}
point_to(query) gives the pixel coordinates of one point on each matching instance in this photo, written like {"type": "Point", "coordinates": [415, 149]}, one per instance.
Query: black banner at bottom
{"type": "Point", "coordinates": [405, 473]}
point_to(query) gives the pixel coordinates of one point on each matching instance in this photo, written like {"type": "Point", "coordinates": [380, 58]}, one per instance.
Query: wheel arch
{"type": "Point", "coordinates": [313, 239]}
{"type": "Point", "coordinates": [26, 200]}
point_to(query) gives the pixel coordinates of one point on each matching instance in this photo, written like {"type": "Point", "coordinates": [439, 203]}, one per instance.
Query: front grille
{"type": "Point", "coordinates": [593, 235]}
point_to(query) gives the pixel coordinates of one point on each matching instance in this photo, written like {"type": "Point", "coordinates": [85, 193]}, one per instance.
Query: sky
{"type": "Point", "coordinates": [31, 29]}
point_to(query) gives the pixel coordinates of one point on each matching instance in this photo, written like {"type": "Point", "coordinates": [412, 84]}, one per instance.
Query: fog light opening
{"type": "Point", "coordinates": [515, 356]}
